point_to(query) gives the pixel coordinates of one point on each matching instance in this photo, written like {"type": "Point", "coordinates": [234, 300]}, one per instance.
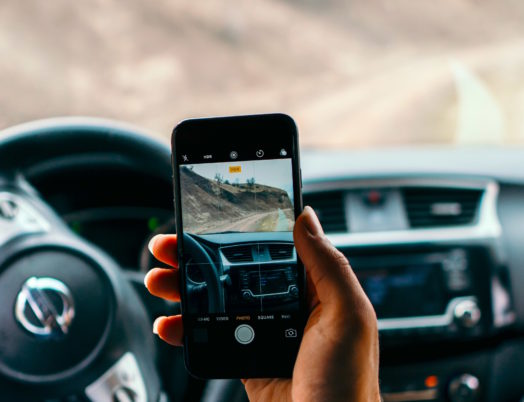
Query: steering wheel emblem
{"type": "Point", "coordinates": [45, 307]}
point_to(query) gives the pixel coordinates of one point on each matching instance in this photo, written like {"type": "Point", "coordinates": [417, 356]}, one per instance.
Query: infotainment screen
{"type": "Point", "coordinates": [398, 290]}
{"type": "Point", "coordinates": [272, 282]}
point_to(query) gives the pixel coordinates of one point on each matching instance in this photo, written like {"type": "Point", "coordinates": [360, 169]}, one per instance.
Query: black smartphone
{"type": "Point", "coordinates": [237, 194]}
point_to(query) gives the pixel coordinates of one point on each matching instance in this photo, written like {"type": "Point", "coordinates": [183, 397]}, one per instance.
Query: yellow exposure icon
{"type": "Point", "coordinates": [235, 169]}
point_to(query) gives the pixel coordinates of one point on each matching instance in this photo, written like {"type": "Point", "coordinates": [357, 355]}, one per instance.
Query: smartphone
{"type": "Point", "coordinates": [237, 192]}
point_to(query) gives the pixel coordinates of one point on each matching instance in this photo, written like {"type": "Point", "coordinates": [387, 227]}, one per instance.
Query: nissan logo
{"type": "Point", "coordinates": [45, 307]}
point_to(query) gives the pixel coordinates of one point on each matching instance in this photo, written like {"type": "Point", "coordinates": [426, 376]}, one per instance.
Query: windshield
{"type": "Point", "coordinates": [352, 73]}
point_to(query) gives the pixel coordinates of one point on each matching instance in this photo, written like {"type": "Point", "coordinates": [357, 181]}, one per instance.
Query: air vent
{"type": "Point", "coordinates": [434, 206]}
{"type": "Point", "coordinates": [329, 207]}
{"type": "Point", "coordinates": [280, 251]}
{"type": "Point", "coordinates": [238, 253]}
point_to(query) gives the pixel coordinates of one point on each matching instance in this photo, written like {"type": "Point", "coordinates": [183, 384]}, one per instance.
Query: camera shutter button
{"type": "Point", "coordinates": [244, 334]}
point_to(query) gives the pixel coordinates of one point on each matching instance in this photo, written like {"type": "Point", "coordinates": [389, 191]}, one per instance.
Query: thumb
{"type": "Point", "coordinates": [327, 268]}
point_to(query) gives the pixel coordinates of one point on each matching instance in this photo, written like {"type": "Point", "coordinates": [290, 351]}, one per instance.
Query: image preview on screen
{"type": "Point", "coordinates": [222, 203]}
{"type": "Point", "coordinates": [243, 196]}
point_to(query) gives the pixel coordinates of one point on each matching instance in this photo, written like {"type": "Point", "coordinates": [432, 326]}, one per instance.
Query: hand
{"type": "Point", "coordinates": [338, 356]}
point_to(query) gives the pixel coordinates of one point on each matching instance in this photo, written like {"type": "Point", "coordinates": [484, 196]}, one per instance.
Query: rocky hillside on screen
{"type": "Point", "coordinates": [211, 206]}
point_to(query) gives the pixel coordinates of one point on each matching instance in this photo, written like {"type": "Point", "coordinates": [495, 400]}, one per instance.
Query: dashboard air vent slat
{"type": "Point", "coordinates": [330, 209]}
{"type": "Point", "coordinates": [280, 251]}
{"type": "Point", "coordinates": [439, 207]}
{"type": "Point", "coordinates": [238, 253]}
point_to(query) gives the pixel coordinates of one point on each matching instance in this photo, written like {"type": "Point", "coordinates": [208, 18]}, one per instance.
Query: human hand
{"type": "Point", "coordinates": [338, 356]}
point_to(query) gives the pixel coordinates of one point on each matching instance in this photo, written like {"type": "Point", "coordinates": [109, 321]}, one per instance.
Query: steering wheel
{"type": "Point", "coordinates": [71, 325]}
{"type": "Point", "coordinates": [215, 291]}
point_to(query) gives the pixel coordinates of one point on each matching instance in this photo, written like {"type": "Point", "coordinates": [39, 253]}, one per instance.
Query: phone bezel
{"type": "Point", "coordinates": [260, 129]}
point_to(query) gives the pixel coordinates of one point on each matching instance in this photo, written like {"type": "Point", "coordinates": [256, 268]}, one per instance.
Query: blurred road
{"type": "Point", "coordinates": [354, 73]}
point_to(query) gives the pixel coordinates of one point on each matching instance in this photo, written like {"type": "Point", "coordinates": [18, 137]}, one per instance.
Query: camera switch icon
{"type": "Point", "coordinates": [290, 333]}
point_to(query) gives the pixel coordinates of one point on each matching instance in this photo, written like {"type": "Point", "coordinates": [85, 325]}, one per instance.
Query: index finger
{"type": "Point", "coordinates": [164, 248]}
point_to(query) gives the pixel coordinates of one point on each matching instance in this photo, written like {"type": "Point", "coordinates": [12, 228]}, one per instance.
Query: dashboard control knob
{"type": "Point", "coordinates": [465, 388]}
{"type": "Point", "coordinates": [124, 394]}
{"type": "Point", "coordinates": [246, 295]}
{"type": "Point", "coordinates": [467, 313]}
{"type": "Point", "coordinates": [293, 290]}
{"type": "Point", "coordinates": [8, 209]}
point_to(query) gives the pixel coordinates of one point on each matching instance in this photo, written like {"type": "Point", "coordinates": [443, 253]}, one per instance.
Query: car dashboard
{"type": "Point", "coordinates": [433, 234]}
{"type": "Point", "coordinates": [427, 232]}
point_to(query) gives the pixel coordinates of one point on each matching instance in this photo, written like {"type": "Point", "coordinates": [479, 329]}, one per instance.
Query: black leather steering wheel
{"type": "Point", "coordinates": [71, 324]}
{"type": "Point", "coordinates": [215, 291]}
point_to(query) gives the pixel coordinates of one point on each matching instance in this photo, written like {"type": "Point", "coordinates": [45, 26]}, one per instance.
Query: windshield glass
{"type": "Point", "coordinates": [352, 73]}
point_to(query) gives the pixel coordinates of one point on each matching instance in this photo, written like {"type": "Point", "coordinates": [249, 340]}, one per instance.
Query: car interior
{"type": "Point", "coordinates": [411, 129]}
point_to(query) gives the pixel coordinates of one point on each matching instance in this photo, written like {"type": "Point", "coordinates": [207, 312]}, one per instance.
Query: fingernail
{"type": "Point", "coordinates": [145, 279]}
{"type": "Point", "coordinates": [156, 323]}
{"type": "Point", "coordinates": [152, 243]}
{"type": "Point", "coordinates": [311, 221]}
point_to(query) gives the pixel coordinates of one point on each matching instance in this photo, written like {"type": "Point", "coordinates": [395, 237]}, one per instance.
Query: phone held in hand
{"type": "Point", "coordinates": [237, 194]}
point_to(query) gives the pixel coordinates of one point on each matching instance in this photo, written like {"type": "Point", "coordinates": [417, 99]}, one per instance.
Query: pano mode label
{"type": "Point", "coordinates": [235, 169]}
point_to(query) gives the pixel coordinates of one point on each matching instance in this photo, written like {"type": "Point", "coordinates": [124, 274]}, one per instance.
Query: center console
{"type": "Point", "coordinates": [424, 294]}
{"type": "Point", "coordinates": [273, 284]}
{"type": "Point", "coordinates": [260, 274]}
{"type": "Point", "coordinates": [438, 306]}
{"type": "Point", "coordinates": [428, 253]}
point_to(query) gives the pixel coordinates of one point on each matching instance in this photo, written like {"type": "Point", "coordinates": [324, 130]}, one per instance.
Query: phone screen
{"type": "Point", "coordinates": [242, 281]}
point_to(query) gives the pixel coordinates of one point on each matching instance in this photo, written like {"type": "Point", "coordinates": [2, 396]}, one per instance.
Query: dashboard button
{"type": "Point", "coordinates": [8, 209]}
{"type": "Point", "coordinates": [465, 388]}
{"type": "Point", "coordinates": [244, 334]}
{"type": "Point", "coordinates": [467, 313]}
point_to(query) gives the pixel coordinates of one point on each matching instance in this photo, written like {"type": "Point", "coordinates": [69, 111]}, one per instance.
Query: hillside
{"type": "Point", "coordinates": [210, 206]}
